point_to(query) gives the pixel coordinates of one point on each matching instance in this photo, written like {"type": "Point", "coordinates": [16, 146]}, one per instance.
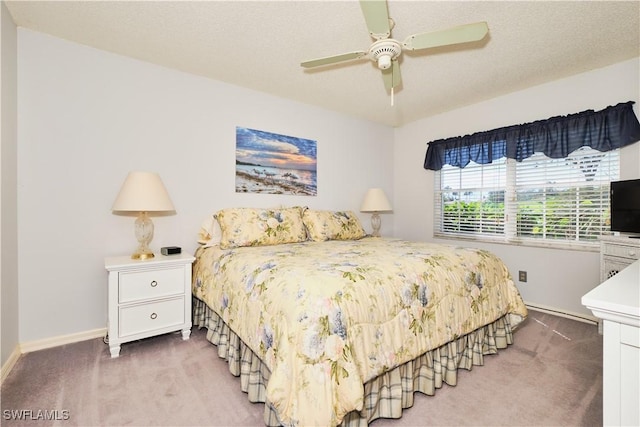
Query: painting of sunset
{"type": "Point", "coordinates": [270, 163]}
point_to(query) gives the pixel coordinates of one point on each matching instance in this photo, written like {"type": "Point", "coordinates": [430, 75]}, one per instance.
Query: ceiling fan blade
{"type": "Point", "coordinates": [461, 34]}
{"type": "Point", "coordinates": [377, 17]}
{"type": "Point", "coordinates": [333, 59]}
{"type": "Point", "coordinates": [391, 75]}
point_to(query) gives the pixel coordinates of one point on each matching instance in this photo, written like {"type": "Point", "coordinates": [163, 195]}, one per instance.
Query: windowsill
{"type": "Point", "coordinates": [583, 247]}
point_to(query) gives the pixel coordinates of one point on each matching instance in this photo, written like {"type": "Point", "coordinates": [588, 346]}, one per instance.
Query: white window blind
{"type": "Point", "coordinates": [565, 199]}
{"type": "Point", "coordinates": [536, 200]}
{"type": "Point", "coordinates": [470, 201]}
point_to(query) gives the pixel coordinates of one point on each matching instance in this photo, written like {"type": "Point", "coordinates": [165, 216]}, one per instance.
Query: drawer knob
{"type": "Point", "coordinates": [153, 316]}
{"type": "Point", "coordinates": [632, 253]}
{"type": "Point", "coordinates": [153, 283]}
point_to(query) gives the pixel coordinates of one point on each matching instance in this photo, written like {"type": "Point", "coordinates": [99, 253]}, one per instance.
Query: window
{"type": "Point", "coordinates": [537, 200]}
{"type": "Point", "coordinates": [541, 183]}
{"type": "Point", "coordinates": [470, 201]}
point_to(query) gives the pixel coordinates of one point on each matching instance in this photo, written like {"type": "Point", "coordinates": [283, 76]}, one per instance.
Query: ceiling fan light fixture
{"type": "Point", "coordinates": [384, 62]}
{"type": "Point", "coordinates": [385, 51]}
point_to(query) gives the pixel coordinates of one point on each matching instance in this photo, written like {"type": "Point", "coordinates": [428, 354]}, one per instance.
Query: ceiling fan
{"type": "Point", "coordinates": [385, 51]}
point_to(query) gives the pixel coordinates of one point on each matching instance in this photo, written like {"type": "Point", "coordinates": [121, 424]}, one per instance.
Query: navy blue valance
{"type": "Point", "coordinates": [557, 137]}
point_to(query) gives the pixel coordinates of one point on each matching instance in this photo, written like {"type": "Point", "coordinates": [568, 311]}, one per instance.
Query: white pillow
{"type": "Point", "coordinates": [210, 232]}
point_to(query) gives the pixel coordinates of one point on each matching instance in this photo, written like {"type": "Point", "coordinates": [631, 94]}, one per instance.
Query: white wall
{"type": "Point", "coordinates": [87, 117]}
{"type": "Point", "coordinates": [556, 278]}
{"type": "Point", "coordinates": [8, 190]}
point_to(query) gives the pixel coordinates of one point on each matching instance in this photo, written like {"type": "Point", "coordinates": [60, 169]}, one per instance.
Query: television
{"type": "Point", "coordinates": [625, 206]}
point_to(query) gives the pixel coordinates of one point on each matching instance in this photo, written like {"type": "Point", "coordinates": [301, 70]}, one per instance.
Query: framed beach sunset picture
{"type": "Point", "coordinates": [270, 163]}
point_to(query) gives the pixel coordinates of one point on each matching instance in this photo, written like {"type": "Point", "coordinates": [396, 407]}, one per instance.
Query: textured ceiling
{"type": "Point", "coordinates": [260, 44]}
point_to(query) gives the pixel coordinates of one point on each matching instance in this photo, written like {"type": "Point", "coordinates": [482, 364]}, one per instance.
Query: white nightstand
{"type": "Point", "coordinates": [617, 253]}
{"type": "Point", "coordinates": [148, 297]}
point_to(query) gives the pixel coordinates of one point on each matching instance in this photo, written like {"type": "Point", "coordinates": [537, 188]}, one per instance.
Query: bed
{"type": "Point", "coordinates": [328, 327]}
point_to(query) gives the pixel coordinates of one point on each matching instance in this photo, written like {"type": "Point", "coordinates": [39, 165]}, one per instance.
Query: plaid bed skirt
{"type": "Point", "coordinates": [386, 395]}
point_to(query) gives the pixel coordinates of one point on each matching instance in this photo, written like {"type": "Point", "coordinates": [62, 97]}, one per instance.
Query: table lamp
{"type": "Point", "coordinates": [375, 201]}
{"type": "Point", "coordinates": [143, 192]}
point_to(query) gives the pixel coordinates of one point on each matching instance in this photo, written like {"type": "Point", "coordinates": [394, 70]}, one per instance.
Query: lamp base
{"type": "Point", "coordinates": [376, 222]}
{"type": "Point", "coordinates": [144, 234]}
{"type": "Point", "coordinates": [142, 255]}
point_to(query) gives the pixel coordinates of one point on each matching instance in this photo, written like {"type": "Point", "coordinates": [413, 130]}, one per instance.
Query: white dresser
{"type": "Point", "coordinates": [617, 303]}
{"type": "Point", "coordinates": [148, 297]}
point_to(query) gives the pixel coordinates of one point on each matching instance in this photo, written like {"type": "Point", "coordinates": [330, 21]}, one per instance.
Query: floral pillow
{"type": "Point", "coordinates": [332, 225]}
{"type": "Point", "coordinates": [210, 232]}
{"type": "Point", "coordinates": [259, 227]}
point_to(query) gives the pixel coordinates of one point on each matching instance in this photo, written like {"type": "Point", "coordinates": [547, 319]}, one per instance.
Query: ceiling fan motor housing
{"type": "Point", "coordinates": [384, 51]}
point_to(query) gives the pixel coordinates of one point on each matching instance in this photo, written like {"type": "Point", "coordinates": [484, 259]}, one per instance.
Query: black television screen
{"type": "Point", "coordinates": [625, 206]}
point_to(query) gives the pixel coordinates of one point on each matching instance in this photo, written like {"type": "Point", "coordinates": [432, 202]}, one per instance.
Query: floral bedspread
{"type": "Point", "coordinates": [325, 317]}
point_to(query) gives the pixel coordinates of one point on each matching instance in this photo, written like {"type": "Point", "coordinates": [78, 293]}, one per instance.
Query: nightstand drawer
{"type": "Point", "coordinates": [144, 285]}
{"type": "Point", "coordinates": [621, 251]}
{"type": "Point", "coordinates": [148, 317]}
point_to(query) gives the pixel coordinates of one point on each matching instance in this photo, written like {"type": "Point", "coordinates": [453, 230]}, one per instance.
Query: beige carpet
{"type": "Point", "coordinates": [550, 376]}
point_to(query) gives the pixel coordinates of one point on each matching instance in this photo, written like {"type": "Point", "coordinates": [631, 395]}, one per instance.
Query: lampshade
{"type": "Point", "coordinates": [143, 192]}
{"type": "Point", "coordinates": [375, 201]}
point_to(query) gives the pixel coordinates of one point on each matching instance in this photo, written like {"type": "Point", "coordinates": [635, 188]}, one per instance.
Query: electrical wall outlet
{"type": "Point", "coordinates": [522, 276]}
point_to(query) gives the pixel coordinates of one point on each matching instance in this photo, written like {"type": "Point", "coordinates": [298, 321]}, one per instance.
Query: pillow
{"type": "Point", "coordinates": [259, 227]}
{"type": "Point", "coordinates": [210, 233]}
{"type": "Point", "coordinates": [332, 225]}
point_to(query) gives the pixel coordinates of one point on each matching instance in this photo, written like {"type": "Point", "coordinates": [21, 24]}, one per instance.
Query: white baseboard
{"type": "Point", "coordinates": [62, 340]}
{"type": "Point", "coordinates": [10, 363]}
{"type": "Point", "coordinates": [563, 313]}
{"type": "Point", "coordinates": [28, 347]}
